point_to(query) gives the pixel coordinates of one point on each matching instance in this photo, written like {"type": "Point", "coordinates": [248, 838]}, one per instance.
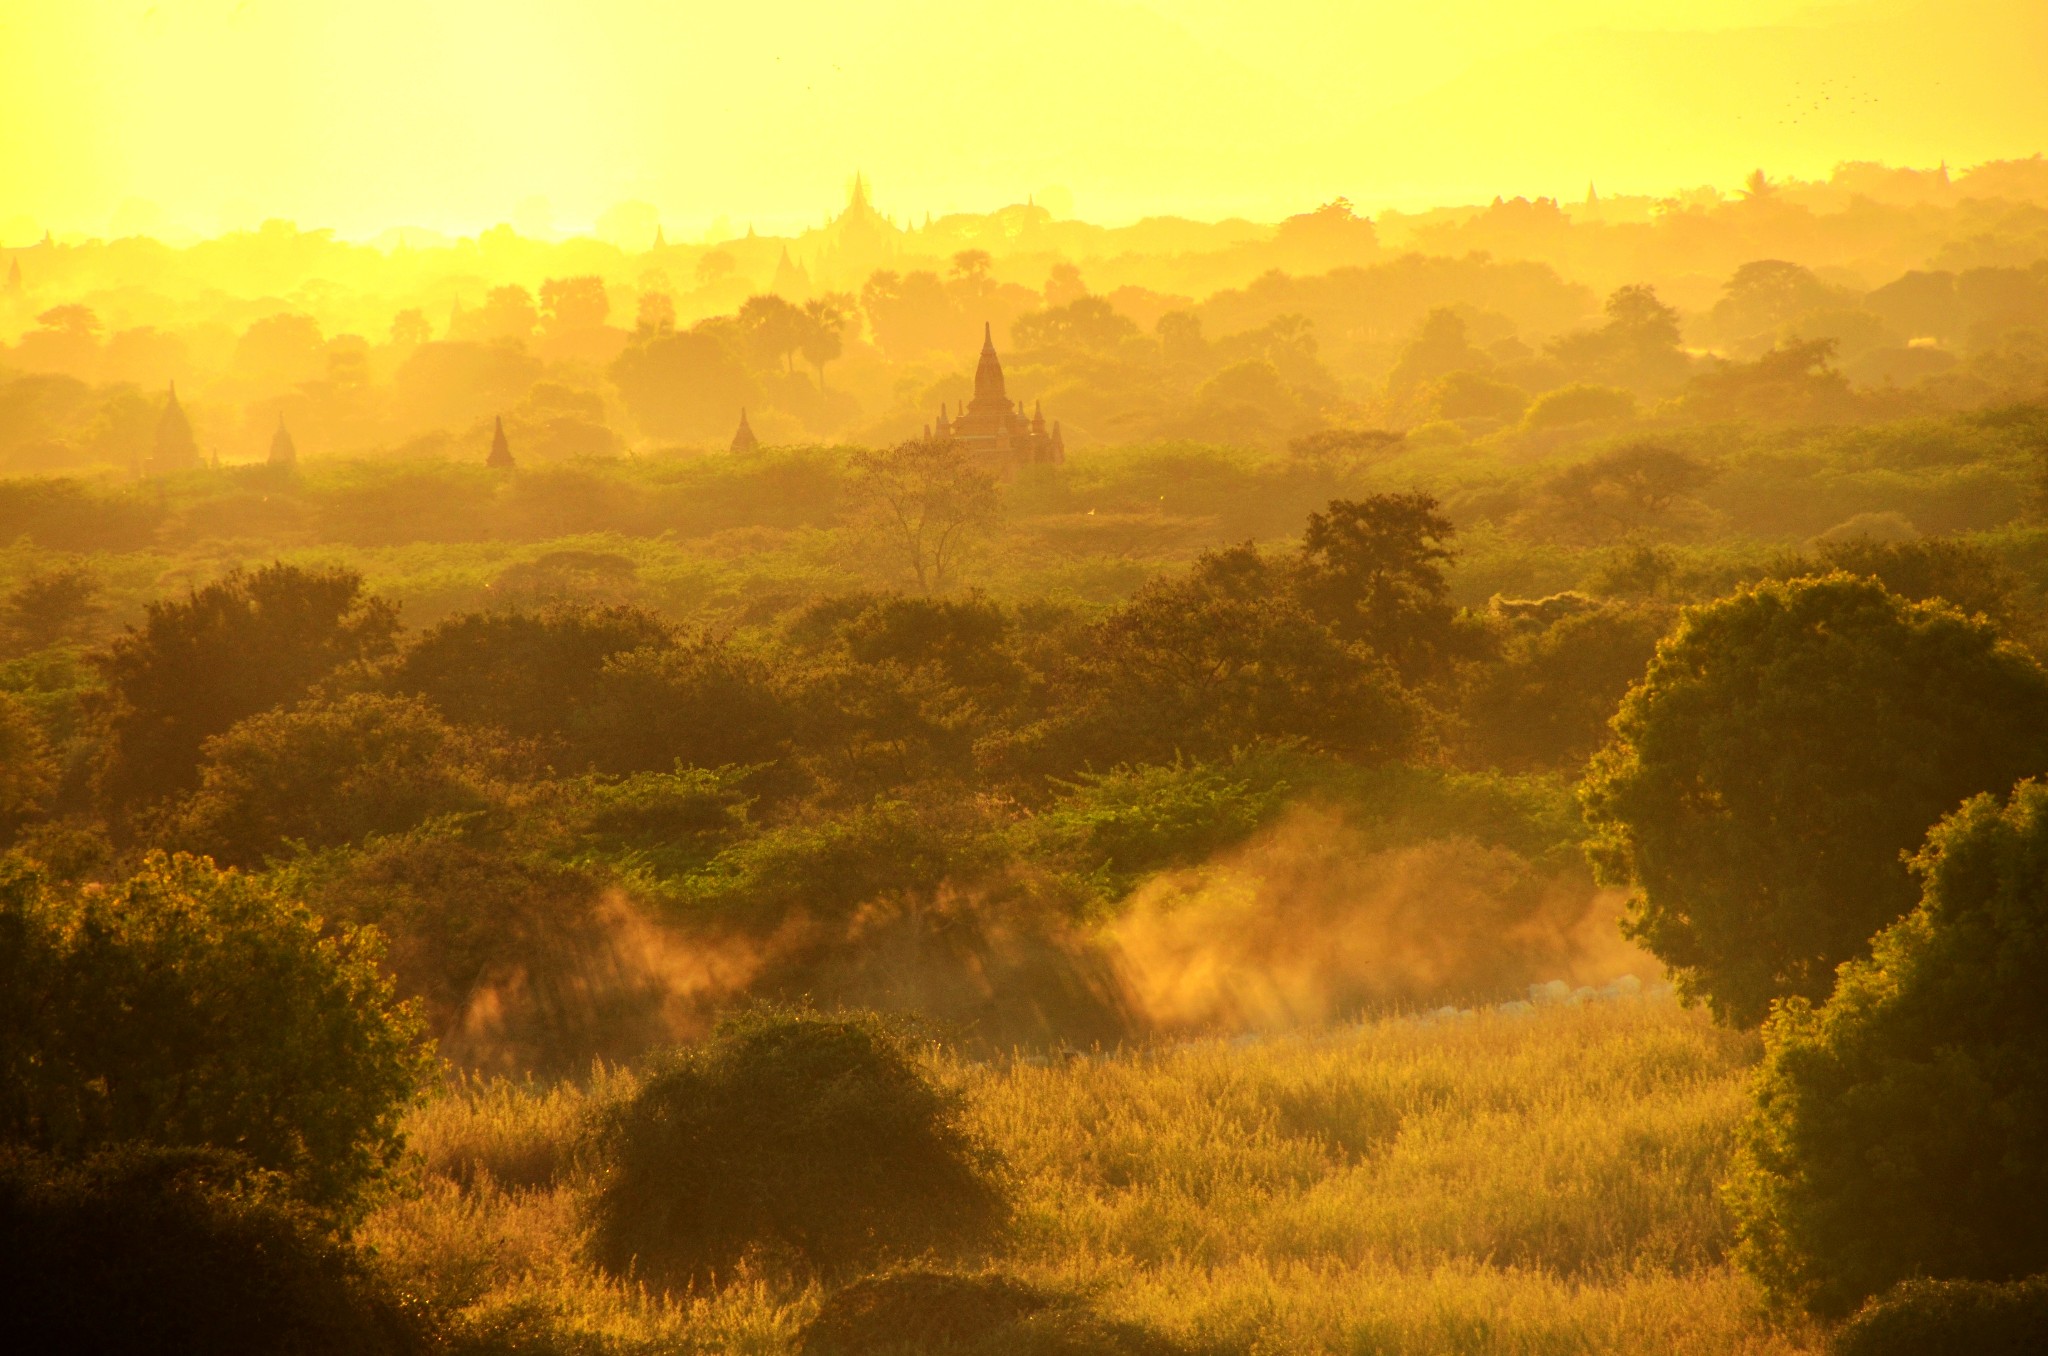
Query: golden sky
{"type": "Point", "coordinates": [456, 114]}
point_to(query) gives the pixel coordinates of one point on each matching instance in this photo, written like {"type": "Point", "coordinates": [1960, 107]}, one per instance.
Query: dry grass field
{"type": "Point", "coordinates": [1520, 1181]}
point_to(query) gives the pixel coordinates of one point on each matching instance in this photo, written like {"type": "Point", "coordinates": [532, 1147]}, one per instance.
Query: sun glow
{"type": "Point", "coordinates": [127, 116]}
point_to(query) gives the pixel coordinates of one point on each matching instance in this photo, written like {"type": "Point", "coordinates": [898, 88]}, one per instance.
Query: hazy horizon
{"type": "Point", "coordinates": [194, 118]}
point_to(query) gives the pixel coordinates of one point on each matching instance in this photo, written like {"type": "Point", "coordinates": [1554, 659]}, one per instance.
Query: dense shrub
{"type": "Point", "coordinates": [829, 866]}
{"type": "Point", "coordinates": [1226, 656]}
{"type": "Point", "coordinates": [227, 651]}
{"type": "Point", "coordinates": [1950, 1318]}
{"type": "Point", "coordinates": [704, 704]}
{"type": "Point", "coordinates": [937, 1313]}
{"type": "Point", "coordinates": [28, 772]}
{"type": "Point", "coordinates": [191, 1006]}
{"type": "Point", "coordinates": [328, 773]}
{"type": "Point", "coordinates": [1112, 828]}
{"type": "Point", "coordinates": [1901, 1129]}
{"type": "Point", "coordinates": [530, 673]}
{"type": "Point", "coordinates": [1578, 404]}
{"type": "Point", "coordinates": [180, 1252]}
{"type": "Point", "coordinates": [1545, 703]}
{"type": "Point", "coordinates": [1785, 747]}
{"type": "Point", "coordinates": [812, 1142]}
{"type": "Point", "coordinates": [512, 955]}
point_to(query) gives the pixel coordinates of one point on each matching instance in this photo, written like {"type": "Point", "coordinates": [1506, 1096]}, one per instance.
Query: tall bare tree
{"type": "Point", "coordinates": [928, 498]}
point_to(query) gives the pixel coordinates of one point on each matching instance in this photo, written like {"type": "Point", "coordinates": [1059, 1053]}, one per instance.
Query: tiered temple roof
{"type": "Point", "coordinates": [995, 426]}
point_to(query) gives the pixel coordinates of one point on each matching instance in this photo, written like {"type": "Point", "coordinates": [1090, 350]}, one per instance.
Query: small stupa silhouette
{"type": "Point", "coordinates": [283, 452]}
{"type": "Point", "coordinates": [743, 439]}
{"type": "Point", "coordinates": [501, 450]}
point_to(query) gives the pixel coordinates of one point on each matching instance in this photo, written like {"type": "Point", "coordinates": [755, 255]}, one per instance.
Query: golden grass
{"type": "Point", "coordinates": [1532, 1184]}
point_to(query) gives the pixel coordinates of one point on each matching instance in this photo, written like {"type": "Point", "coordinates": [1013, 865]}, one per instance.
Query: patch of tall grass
{"type": "Point", "coordinates": [1514, 1183]}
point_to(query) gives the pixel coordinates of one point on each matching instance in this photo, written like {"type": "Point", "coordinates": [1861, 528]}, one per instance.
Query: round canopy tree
{"type": "Point", "coordinates": [1787, 745]}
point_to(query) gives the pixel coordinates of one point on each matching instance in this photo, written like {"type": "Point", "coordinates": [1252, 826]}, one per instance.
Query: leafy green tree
{"type": "Point", "coordinates": [685, 383]}
{"type": "Point", "coordinates": [1544, 704]}
{"type": "Point", "coordinates": [1222, 657]}
{"type": "Point", "coordinates": [1642, 487]}
{"type": "Point", "coordinates": [527, 673]}
{"type": "Point", "coordinates": [1086, 325]}
{"type": "Point", "coordinates": [1959, 572]}
{"type": "Point", "coordinates": [50, 607]}
{"type": "Point", "coordinates": [225, 652]}
{"type": "Point", "coordinates": [1795, 382]}
{"type": "Point", "coordinates": [1901, 1128]}
{"type": "Point", "coordinates": [1471, 395]}
{"type": "Point", "coordinates": [1786, 745]}
{"type": "Point", "coordinates": [1372, 569]}
{"type": "Point", "coordinates": [1638, 347]}
{"type": "Point", "coordinates": [703, 704]}
{"type": "Point", "coordinates": [193, 1006]}
{"type": "Point", "coordinates": [329, 773]}
{"type": "Point", "coordinates": [1949, 1318]}
{"type": "Point", "coordinates": [1439, 348]}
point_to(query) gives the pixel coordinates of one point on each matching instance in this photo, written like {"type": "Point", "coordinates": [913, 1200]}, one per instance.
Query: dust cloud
{"type": "Point", "coordinates": [1305, 924]}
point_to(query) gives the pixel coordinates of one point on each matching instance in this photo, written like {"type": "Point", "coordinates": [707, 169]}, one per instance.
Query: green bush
{"type": "Point", "coordinates": [937, 1313]}
{"type": "Point", "coordinates": [1901, 1129]}
{"type": "Point", "coordinates": [797, 1140]}
{"type": "Point", "coordinates": [28, 772]}
{"type": "Point", "coordinates": [1784, 749]}
{"type": "Point", "coordinates": [1114, 828]}
{"type": "Point", "coordinates": [828, 866]}
{"type": "Point", "coordinates": [1545, 703]}
{"type": "Point", "coordinates": [329, 773]}
{"type": "Point", "coordinates": [226, 652]}
{"type": "Point", "coordinates": [191, 1006]}
{"type": "Point", "coordinates": [1950, 1318]}
{"type": "Point", "coordinates": [185, 1253]}
{"type": "Point", "coordinates": [532, 674]}
{"type": "Point", "coordinates": [1578, 404]}
{"type": "Point", "coordinates": [513, 956]}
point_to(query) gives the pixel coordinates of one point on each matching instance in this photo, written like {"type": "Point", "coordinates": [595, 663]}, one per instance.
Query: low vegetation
{"type": "Point", "coordinates": [1486, 1182]}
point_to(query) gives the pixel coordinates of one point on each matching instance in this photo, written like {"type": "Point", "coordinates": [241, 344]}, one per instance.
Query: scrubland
{"type": "Point", "coordinates": [1499, 1181]}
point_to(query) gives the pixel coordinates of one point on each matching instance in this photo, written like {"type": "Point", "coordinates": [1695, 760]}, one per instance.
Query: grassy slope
{"type": "Point", "coordinates": [1492, 1184]}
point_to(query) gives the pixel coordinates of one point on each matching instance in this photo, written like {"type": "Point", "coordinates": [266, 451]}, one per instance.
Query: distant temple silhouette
{"type": "Point", "coordinates": [743, 439]}
{"type": "Point", "coordinates": [994, 427]}
{"type": "Point", "coordinates": [501, 448]}
{"type": "Point", "coordinates": [175, 449]}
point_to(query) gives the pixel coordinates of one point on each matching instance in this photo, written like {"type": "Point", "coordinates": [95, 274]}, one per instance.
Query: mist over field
{"type": "Point", "coordinates": [1102, 679]}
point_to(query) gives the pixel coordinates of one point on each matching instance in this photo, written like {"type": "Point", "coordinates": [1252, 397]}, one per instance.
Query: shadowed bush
{"type": "Point", "coordinates": [911, 1313]}
{"type": "Point", "coordinates": [1950, 1318]}
{"type": "Point", "coordinates": [1901, 1128]}
{"type": "Point", "coordinates": [803, 1141]}
{"type": "Point", "coordinates": [176, 1251]}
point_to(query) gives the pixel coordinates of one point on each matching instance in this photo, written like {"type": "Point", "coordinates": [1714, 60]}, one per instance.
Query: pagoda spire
{"type": "Point", "coordinates": [501, 448]}
{"type": "Point", "coordinates": [283, 452]}
{"type": "Point", "coordinates": [989, 393]}
{"type": "Point", "coordinates": [176, 449]}
{"type": "Point", "coordinates": [743, 439]}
